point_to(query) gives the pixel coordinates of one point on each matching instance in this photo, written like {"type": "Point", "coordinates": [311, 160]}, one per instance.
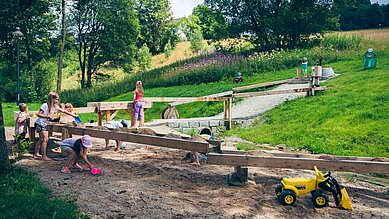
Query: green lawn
{"type": "Point", "coordinates": [350, 118]}
{"type": "Point", "coordinates": [19, 184]}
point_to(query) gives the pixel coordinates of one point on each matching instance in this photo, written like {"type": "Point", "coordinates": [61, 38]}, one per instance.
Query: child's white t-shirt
{"type": "Point", "coordinates": [45, 109]}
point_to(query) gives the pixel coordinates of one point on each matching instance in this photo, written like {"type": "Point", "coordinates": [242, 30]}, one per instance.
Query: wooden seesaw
{"type": "Point", "coordinates": [240, 160]}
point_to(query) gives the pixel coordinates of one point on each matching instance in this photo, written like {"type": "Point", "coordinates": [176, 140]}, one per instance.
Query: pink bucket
{"type": "Point", "coordinates": [95, 171]}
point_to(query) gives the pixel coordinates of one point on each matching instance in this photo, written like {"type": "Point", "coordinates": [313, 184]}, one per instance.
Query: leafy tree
{"type": "Point", "coordinates": [36, 22]}
{"type": "Point", "coordinates": [168, 50]}
{"type": "Point", "coordinates": [269, 24]}
{"type": "Point", "coordinates": [4, 159]}
{"type": "Point", "coordinates": [144, 58]}
{"type": "Point", "coordinates": [157, 25]}
{"type": "Point", "coordinates": [196, 41]}
{"type": "Point", "coordinates": [213, 25]}
{"type": "Point", "coordinates": [189, 25]}
{"type": "Point", "coordinates": [106, 33]}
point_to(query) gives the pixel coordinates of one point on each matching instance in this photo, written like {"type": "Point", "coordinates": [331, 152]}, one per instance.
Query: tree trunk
{"type": "Point", "coordinates": [63, 32]}
{"type": "Point", "coordinates": [4, 160]}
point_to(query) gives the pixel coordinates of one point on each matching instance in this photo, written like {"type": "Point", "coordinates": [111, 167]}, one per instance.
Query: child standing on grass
{"type": "Point", "coordinates": [46, 113]}
{"type": "Point", "coordinates": [304, 66]}
{"type": "Point", "coordinates": [138, 106]}
{"type": "Point", "coordinates": [76, 148]}
{"type": "Point", "coordinates": [21, 121]}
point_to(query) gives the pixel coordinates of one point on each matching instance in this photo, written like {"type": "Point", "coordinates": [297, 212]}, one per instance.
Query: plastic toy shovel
{"type": "Point", "coordinates": [78, 120]}
{"type": "Point", "coordinates": [95, 171]}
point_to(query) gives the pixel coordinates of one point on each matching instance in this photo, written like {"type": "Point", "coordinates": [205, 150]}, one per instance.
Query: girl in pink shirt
{"type": "Point", "coordinates": [138, 106]}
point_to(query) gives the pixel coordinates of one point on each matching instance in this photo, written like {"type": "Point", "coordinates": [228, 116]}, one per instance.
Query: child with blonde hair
{"type": "Point", "coordinates": [46, 113]}
{"type": "Point", "coordinates": [138, 106]}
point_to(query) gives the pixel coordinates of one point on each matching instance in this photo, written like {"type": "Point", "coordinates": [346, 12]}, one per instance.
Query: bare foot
{"type": "Point", "coordinates": [46, 159]}
{"type": "Point", "coordinates": [37, 156]}
{"type": "Point", "coordinates": [196, 164]}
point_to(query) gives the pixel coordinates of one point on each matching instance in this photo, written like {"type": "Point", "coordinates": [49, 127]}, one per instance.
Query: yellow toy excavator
{"type": "Point", "coordinates": [289, 188]}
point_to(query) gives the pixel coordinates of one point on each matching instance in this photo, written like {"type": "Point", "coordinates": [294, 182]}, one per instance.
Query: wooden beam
{"type": "Point", "coordinates": [265, 93]}
{"type": "Point", "coordinates": [182, 144]}
{"type": "Point", "coordinates": [299, 163]}
{"type": "Point", "coordinates": [184, 99]}
{"type": "Point", "coordinates": [103, 106]}
{"type": "Point", "coordinates": [262, 85]}
{"type": "Point", "coordinates": [297, 155]}
{"type": "Point", "coordinates": [78, 110]}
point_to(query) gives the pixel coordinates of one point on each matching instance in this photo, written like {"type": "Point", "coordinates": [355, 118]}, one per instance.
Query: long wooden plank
{"type": "Point", "coordinates": [223, 94]}
{"type": "Point", "coordinates": [77, 110]}
{"type": "Point", "coordinates": [184, 99]}
{"type": "Point", "coordinates": [262, 85]}
{"type": "Point", "coordinates": [103, 106]}
{"type": "Point", "coordinates": [265, 93]}
{"type": "Point", "coordinates": [299, 163]}
{"type": "Point", "coordinates": [299, 155]}
{"type": "Point", "coordinates": [136, 138]}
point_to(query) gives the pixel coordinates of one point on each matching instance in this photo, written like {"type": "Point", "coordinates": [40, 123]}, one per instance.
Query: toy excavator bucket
{"type": "Point", "coordinates": [345, 201]}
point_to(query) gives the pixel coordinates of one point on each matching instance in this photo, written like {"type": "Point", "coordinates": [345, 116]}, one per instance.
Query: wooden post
{"type": "Point", "coordinates": [230, 113]}
{"type": "Point", "coordinates": [239, 177]}
{"type": "Point", "coordinates": [100, 117]}
{"type": "Point", "coordinates": [299, 74]}
{"type": "Point", "coordinates": [225, 110]}
{"type": "Point", "coordinates": [65, 133]}
{"type": "Point", "coordinates": [31, 133]}
{"type": "Point", "coordinates": [107, 115]}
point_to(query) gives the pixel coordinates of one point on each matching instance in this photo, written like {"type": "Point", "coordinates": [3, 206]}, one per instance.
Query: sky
{"type": "Point", "coordinates": [183, 8]}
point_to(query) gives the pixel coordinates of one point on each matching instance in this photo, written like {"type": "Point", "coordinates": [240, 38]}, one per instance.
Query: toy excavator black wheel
{"type": "Point", "coordinates": [278, 189]}
{"type": "Point", "coordinates": [319, 199]}
{"type": "Point", "coordinates": [287, 197]}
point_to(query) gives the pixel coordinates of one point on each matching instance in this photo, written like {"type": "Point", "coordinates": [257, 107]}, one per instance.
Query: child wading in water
{"type": "Point", "coordinates": [21, 121]}
{"type": "Point", "coordinates": [138, 106]}
{"type": "Point", "coordinates": [47, 112]}
{"type": "Point", "coordinates": [76, 148]}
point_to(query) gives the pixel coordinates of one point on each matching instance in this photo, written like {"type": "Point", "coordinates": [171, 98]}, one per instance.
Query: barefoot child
{"type": "Point", "coordinates": [46, 113]}
{"type": "Point", "coordinates": [76, 148]}
{"type": "Point", "coordinates": [21, 121]}
{"type": "Point", "coordinates": [114, 125]}
{"type": "Point", "coordinates": [138, 106]}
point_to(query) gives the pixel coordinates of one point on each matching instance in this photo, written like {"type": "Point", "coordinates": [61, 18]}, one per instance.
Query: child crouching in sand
{"type": "Point", "coordinates": [76, 148]}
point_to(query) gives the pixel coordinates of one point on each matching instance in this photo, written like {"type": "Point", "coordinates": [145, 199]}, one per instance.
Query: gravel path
{"type": "Point", "coordinates": [252, 107]}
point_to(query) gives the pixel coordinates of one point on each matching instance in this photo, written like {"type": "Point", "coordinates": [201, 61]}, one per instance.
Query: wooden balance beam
{"type": "Point", "coordinates": [357, 166]}
{"type": "Point", "coordinates": [262, 85]}
{"type": "Point", "coordinates": [183, 144]}
{"type": "Point", "coordinates": [265, 93]}
{"type": "Point", "coordinates": [241, 162]}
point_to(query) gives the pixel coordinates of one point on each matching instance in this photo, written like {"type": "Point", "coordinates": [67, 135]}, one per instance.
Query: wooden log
{"type": "Point", "coordinates": [230, 114]}
{"type": "Point", "coordinates": [103, 106]}
{"type": "Point", "coordinates": [298, 72]}
{"type": "Point", "coordinates": [182, 144]}
{"type": "Point", "coordinates": [298, 155]}
{"type": "Point", "coordinates": [299, 163]}
{"type": "Point", "coordinates": [184, 99]}
{"type": "Point", "coordinates": [265, 93]}
{"type": "Point", "coordinates": [262, 85]}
